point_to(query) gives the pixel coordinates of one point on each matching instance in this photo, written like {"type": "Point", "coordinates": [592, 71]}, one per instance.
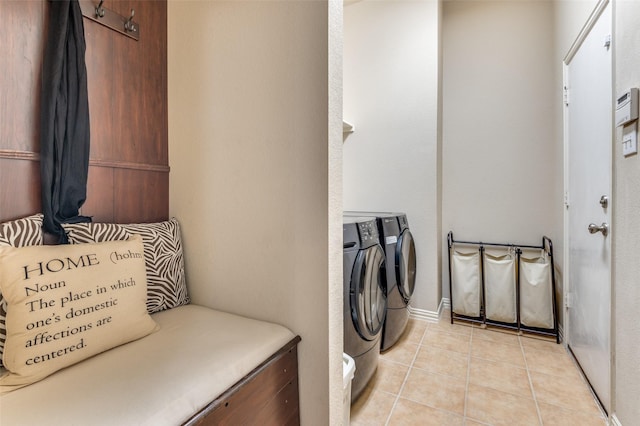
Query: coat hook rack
{"type": "Point", "coordinates": [100, 10]}
{"type": "Point", "coordinates": [130, 25]}
{"type": "Point", "coordinates": [123, 24]}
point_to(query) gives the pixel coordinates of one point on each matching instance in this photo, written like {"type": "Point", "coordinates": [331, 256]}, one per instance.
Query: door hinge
{"type": "Point", "coordinates": [568, 300]}
{"type": "Point", "coordinates": [566, 95]}
{"type": "Point", "coordinates": [607, 41]}
{"type": "Point", "coordinates": [566, 200]}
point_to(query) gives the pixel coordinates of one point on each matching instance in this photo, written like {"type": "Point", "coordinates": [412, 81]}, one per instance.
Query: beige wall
{"type": "Point", "coordinates": [248, 114]}
{"type": "Point", "coordinates": [391, 97]}
{"type": "Point", "coordinates": [626, 236]}
{"type": "Point", "coordinates": [502, 179]}
{"type": "Point", "coordinates": [251, 146]}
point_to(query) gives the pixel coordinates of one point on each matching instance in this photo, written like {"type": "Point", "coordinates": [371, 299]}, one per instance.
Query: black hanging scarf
{"type": "Point", "coordinates": [64, 120]}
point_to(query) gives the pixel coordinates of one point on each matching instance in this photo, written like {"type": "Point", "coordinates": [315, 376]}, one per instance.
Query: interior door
{"type": "Point", "coordinates": [589, 132]}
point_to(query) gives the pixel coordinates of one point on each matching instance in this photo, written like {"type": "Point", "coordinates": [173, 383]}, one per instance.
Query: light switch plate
{"type": "Point", "coordinates": [629, 140]}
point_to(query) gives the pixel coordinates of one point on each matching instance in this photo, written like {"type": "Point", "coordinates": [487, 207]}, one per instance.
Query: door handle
{"type": "Point", "coordinates": [604, 228]}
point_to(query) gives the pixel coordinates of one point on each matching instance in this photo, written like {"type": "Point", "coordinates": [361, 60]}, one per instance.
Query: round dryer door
{"type": "Point", "coordinates": [368, 292]}
{"type": "Point", "coordinates": [406, 264]}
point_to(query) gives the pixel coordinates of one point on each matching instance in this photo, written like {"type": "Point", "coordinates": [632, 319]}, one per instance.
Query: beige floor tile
{"type": "Point", "coordinates": [389, 376]}
{"type": "Point", "coordinates": [449, 341]}
{"type": "Point", "coordinates": [563, 392]}
{"type": "Point", "coordinates": [498, 352]}
{"type": "Point", "coordinates": [470, 422]}
{"type": "Point", "coordinates": [496, 336]}
{"type": "Point", "coordinates": [458, 327]}
{"type": "Point", "coordinates": [372, 407]}
{"type": "Point", "coordinates": [435, 390]}
{"type": "Point", "coordinates": [402, 353]}
{"type": "Point", "coordinates": [541, 343]}
{"type": "Point", "coordinates": [413, 332]}
{"type": "Point", "coordinates": [409, 413]}
{"type": "Point", "coordinates": [500, 376]}
{"type": "Point", "coordinates": [500, 408]}
{"type": "Point", "coordinates": [556, 416]}
{"type": "Point", "coordinates": [442, 361]}
{"type": "Point", "coordinates": [551, 362]}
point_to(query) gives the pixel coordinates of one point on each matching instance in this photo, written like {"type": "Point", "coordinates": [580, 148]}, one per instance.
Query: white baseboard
{"type": "Point", "coordinates": [614, 421]}
{"type": "Point", "coordinates": [431, 316]}
{"type": "Point", "coordinates": [445, 304]}
{"type": "Point", "coordinates": [423, 314]}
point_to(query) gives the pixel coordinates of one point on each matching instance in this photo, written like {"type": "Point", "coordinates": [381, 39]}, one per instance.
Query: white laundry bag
{"type": "Point", "coordinates": [500, 287]}
{"type": "Point", "coordinates": [536, 292]}
{"type": "Point", "coordinates": [465, 283]}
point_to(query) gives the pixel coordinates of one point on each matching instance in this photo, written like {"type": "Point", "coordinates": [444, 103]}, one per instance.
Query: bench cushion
{"type": "Point", "coordinates": [161, 379]}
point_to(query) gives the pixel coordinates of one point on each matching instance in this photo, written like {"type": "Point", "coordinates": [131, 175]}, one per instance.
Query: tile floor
{"type": "Point", "coordinates": [443, 374]}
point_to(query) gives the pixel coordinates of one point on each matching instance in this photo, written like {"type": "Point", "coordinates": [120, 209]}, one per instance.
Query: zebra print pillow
{"type": "Point", "coordinates": [166, 284]}
{"type": "Point", "coordinates": [17, 233]}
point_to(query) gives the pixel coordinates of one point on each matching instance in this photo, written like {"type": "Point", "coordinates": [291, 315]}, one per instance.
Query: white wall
{"type": "Point", "coordinates": [335, 308]}
{"type": "Point", "coordinates": [502, 179]}
{"type": "Point", "coordinates": [251, 154]}
{"type": "Point", "coordinates": [626, 232]}
{"type": "Point", "coordinates": [391, 97]}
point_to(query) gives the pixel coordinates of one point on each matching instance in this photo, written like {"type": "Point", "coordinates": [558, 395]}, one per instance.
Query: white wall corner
{"type": "Point", "coordinates": [445, 304]}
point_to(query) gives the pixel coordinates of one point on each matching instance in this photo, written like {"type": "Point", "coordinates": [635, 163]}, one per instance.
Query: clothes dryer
{"type": "Point", "coordinates": [397, 240]}
{"type": "Point", "coordinates": [365, 301]}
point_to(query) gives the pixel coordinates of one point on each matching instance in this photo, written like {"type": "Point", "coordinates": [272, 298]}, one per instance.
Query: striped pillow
{"type": "Point", "coordinates": [166, 284]}
{"type": "Point", "coordinates": [17, 233]}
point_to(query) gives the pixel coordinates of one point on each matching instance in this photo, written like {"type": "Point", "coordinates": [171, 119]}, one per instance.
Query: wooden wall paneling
{"type": "Point", "coordinates": [101, 88]}
{"type": "Point", "coordinates": [19, 188]}
{"type": "Point", "coordinates": [22, 35]}
{"type": "Point", "coordinates": [100, 195]}
{"type": "Point", "coordinates": [141, 71]}
{"type": "Point", "coordinates": [155, 72]}
{"type": "Point", "coordinates": [130, 143]}
{"type": "Point", "coordinates": [143, 196]}
{"type": "Point", "coordinates": [134, 95]}
{"type": "Point", "coordinates": [127, 83]}
{"type": "Point", "coordinates": [123, 7]}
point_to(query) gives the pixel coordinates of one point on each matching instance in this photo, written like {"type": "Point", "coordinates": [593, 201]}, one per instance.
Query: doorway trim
{"type": "Point", "coordinates": [584, 32]}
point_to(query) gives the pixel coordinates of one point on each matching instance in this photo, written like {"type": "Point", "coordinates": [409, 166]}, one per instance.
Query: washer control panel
{"type": "Point", "coordinates": [368, 232]}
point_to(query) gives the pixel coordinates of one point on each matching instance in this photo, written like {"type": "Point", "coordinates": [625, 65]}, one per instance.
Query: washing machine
{"type": "Point", "coordinates": [395, 236]}
{"type": "Point", "coordinates": [365, 300]}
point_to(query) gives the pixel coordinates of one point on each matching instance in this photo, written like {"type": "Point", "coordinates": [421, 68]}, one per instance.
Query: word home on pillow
{"type": "Point", "coordinates": [67, 303]}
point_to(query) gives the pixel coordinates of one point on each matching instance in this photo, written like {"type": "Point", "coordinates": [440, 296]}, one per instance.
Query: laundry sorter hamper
{"type": "Point", "coordinates": [511, 287]}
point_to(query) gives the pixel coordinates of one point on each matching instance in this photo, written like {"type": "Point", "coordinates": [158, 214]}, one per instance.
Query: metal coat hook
{"type": "Point", "coordinates": [93, 10]}
{"type": "Point", "coordinates": [129, 25]}
{"type": "Point", "coordinates": [100, 10]}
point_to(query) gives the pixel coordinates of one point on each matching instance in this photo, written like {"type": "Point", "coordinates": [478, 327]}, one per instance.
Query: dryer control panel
{"type": "Point", "coordinates": [368, 232]}
{"type": "Point", "coordinates": [402, 221]}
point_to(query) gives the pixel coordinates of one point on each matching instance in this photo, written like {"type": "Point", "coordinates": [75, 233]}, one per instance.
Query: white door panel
{"type": "Point", "coordinates": [589, 127]}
